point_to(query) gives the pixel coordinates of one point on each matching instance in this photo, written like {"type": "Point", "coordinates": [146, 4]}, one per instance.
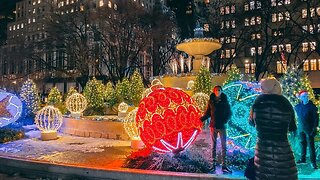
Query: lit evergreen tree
{"type": "Point", "coordinates": [137, 88]}
{"type": "Point", "coordinates": [123, 91]}
{"type": "Point", "coordinates": [233, 75]}
{"type": "Point", "coordinates": [110, 95]}
{"type": "Point", "coordinates": [306, 85]}
{"type": "Point", "coordinates": [54, 97]}
{"type": "Point", "coordinates": [30, 98]}
{"type": "Point", "coordinates": [291, 84]}
{"type": "Point", "coordinates": [203, 81]}
{"type": "Point", "coordinates": [94, 92]}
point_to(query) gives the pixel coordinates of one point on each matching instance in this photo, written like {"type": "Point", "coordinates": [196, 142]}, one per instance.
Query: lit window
{"type": "Point", "coordinates": [280, 17]}
{"type": "Point", "coordinates": [306, 65]}
{"type": "Point", "coordinates": [274, 18]}
{"type": "Point", "coordinates": [206, 27]}
{"type": "Point", "coordinates": [14, 27]}
{"type": "Point", "coordinates": [222, 10]}
{"type": "Point", "coordinates": [251, 5]}
{"type": "Point", "coordinates": [233, 52]}
{"type": "Point", "coordinates": [18, 26]}
{"type": "Point", "coordinates": [39, 1]}
{"type": "Point", "coordinates": [253, 36]}
{"type": "Point", "coordinates": [222, 40]}
{"type": "Point", "coordinates": [304, 13]}
{"type": "Point", "coordinates": [109, 4]}
{"type": "Point", "coordinates": [115, 6]}
{"type": "Point", "coordinates": [280, 2]}
{"type": "Point", "coordinates": [313, 46]}
{"type": "Point", "coordinates": [10, 28]}
{"type": "Point", "coordinates": [233, 39]}
{"type": "Point", "coordinates": [227, 40]}
{"type": "Point", "coordinates": [319, 64]}
{"type": "Point", "coordinates": [274, 48]}
{"type": "Point", "coordinates": [246, 22]}
{"type": "Point", "coordinates": [281, 67]}
{"type": "Point", "coordinates": [260, 50]}
{"type": "Point", "coordinates": [34, 3]}
{"type": "Point", "coordinates": [258, 5]}
{"type": "Point", "coordinates": [67, 2]}
{"type": "Point", "coordinates": [304, 47]}
{"type": "Point", "coordinates": [101, 3]}
{"type": "Point", "coordinates": [246, 7]}
{"type": "Point", "coordinates": [305, 28]}
{"type": "Point", "coordinates": [227, 24]}
{"type": "Point", "coordinates": [311, 29]}
{"type": "Point", "coordinates": [253, 21]}
{"type": "Point", "coordinates": [222, 25]}
{"type": "Point", "coordinates": [227, 10]}
{"type": "Point", "coordinates": [222, 54]}
{"type": "Point", "coordinates": [312, 12]}
{"type": "Point", "coordinates": [313, 64]}
{"type": "Point", "coordinates": [233, 9]}
{"type": "Point", "coordinates": [72, 10]}
{"type": "Point", "coordinates": [258, 20]}
{"type": "Point", "coordinates": [273, 2]}
{"type": "Point", "coordinates": [233, 24]}
{"type": "Point", "coordinates": [253, 68]}
{"type": "Point", "coordinates": [288, 48]}
{"type": "Point", "coordinates": [318, 11]}
{"type": "Point", "coordinates": [287, 15]}
{"type": "Point", "coordinates": [258, 36]}
{"type": "Point", "coordinates": [287, 1]}
{"type": "Point", "coordinates": [228, 53]}
{"type": "Point", "coordinates": [247, 68]}
{"type": "Point", "coordinates": [253, 51]}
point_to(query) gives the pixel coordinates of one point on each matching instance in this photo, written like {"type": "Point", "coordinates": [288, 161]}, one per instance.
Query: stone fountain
{"type": "Point", "coordinates": [197, 49]}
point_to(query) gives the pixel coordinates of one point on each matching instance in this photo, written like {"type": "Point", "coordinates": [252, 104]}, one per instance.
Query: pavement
{"type": "Point", "coordinates": [72, 157]}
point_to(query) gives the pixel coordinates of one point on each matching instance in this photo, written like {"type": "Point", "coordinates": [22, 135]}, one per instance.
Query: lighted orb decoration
{"type": "Point", "coordinates": [10, 108]}
{"type": "Point", "coordinates": [130, 126]}
{"type": "Point", "coordinates": [76, 103]}
{"type": "Point", "coordinates": [241, 96]}
{"type": "Point", "coordinates": [201, 100]}
{"type": "Point", "coordinates": [48, 120]}
{"type": "Point", "coordinates": [146, 92]}
{"type": "Point", "coordinates": [190, 85]}
{"type": "Point", "coordinates": [168, 120]}
{"type": "Point", "coordinates": [123, 107]}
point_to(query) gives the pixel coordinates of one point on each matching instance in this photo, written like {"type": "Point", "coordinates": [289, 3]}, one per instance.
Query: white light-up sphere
{"type": "Point", "coordinates": [48, 120]}
{"type": "Point", "coordinates": [190, 85]}
{"type": "Point", "coordinates": [123, 107]}
{"type": "Point", "coordinates": [130, 126]}
{"type": "Point", "coordinates": [76, 104]}
{"type": "Point", "coordinates": [146, 92]}
{"type": "Point", "coordinates": [201, 100]}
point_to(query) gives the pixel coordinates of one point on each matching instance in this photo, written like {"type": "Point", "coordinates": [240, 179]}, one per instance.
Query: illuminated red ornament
{"type": "Point", "coordinates": [168, 120]}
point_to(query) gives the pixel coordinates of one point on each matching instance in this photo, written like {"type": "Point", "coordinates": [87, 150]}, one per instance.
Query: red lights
{"type": "Point", "coordinates": [168, 120]}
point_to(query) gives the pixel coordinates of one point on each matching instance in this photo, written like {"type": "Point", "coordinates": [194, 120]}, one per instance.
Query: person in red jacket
{"type": "Point", "coordinates": [308, 121]}
{"type": "Point", "coordinates": [219, 111]}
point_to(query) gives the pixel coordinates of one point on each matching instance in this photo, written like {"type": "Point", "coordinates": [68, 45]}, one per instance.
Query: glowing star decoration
{"type": "Point", "coordinates": [190, 85]}
{"type": "Point", "coordinates": [168, 120]}
{"type": "Point", "coordinates": [123, 107]}
{"type": "Point", "coordinates": [201, 100]}
{"type": "Point", "coordinates": [130, 126]}
{"type": "Point", "coordinates": [76, 104]}
{"type": "Point", "coordinates": [241, 96]}
{"type": "Point", "coordinates": [49, 120]}
{"type": "Point", "coordinates": [10, 108]}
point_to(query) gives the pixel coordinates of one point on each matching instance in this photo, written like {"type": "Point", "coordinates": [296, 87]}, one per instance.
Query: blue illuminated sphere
{"type": "Point", "coordinates": [10, 108]}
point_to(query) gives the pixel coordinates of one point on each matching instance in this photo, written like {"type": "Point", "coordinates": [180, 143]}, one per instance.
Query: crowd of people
{"type": "Point", "coordinates": [273, 117]}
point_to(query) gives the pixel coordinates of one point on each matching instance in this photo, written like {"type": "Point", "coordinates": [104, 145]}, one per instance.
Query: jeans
{"type": "Point", "coordinates": [223, 136]}
{"type": "Point", "coordinates": [305, 140]}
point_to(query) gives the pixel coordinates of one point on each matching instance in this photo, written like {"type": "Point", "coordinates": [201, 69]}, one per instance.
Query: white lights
{"type": "Point", "coordinates": [123, 107]}
{"type": "Point", "coordinates": [76, 104]}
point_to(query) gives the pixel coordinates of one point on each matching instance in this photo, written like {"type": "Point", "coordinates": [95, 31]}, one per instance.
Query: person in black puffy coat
{"type": "Point", "coordinates": [273, 115]}
{"type": "Point", "coordinates": [219, 111]}
{"type": "Point", "coordinates": [308, 121]}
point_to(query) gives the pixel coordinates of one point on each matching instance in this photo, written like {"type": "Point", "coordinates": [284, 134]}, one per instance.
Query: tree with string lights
{"type": "Point", "coordinates": [30, 98]}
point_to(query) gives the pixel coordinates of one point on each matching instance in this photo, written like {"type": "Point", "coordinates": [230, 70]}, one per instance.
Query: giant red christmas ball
{"type": "Point", "coordinates": [168, 120]}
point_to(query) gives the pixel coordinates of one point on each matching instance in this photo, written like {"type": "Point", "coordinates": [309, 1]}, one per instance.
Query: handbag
{"type": "Point", "coordinates": [249, 172]}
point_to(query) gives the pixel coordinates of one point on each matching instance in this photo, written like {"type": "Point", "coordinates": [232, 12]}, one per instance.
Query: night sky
{"type": "Point", "coordinates": [6, 15]}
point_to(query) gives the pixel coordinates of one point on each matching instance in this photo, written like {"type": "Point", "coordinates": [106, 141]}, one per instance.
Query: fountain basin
{"type": "Point", "coordinates": [199, 47]}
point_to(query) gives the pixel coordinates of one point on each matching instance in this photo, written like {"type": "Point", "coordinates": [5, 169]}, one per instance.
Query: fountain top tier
{"type": "Point", "coordinates": [199, 46]}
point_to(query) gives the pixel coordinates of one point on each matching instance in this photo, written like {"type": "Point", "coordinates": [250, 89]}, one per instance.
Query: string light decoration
{"type": "Point", "coordinates": [29, 96]}
{"type": "Point", "coordinates": [203, 81]}
{"type": "Point", "coordinates": [168, 120]}
{"type": "Point", "coordinates": [10, 108]}
{"type": "Point", "coordinates": [71, 91]}
{"type": "Point", "coordinates": [54, 97]}
{"type": "Point", "coordinates": [233, 75]}
{"type": "Point", "coordinates": [94, 93]}
{"type": "Point", "coordinates": [123, 107]}
{"type": "Point", "coordinates": [136, 87]}
{"type": "Point", "coordinates": [190, 85]}
{"type": "Point", "coordinates": [241, 96]}
{"type": "Point", "coordinates": [201, 100]}
{"type": "Point", "coordinates": [155, 84]}
{"type": "Point", "coordinates": [291, 84]}
{"type": "Point", "coordinates": [48, 120]}
{"type": "Point", "coordinates": [130, 126]}
{"type": "Point", "coordinates": [76, 104]}
{"type": "Point", "coordinates": [146, 92]}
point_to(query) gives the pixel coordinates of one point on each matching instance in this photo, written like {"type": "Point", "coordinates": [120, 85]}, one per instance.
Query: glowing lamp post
{"type": "Point", "coordinates": [48, 120]}
{"type": "Point", "coordinates": [76, 104]}
{"type": "Point", "coordinates": [168, 120]}
{"type": "Point", "coordinates": [122, 108]}
{"type": "Point", "coordinates": [132, 130]}
{"type": "Point", "coordinates": [10, 108]}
